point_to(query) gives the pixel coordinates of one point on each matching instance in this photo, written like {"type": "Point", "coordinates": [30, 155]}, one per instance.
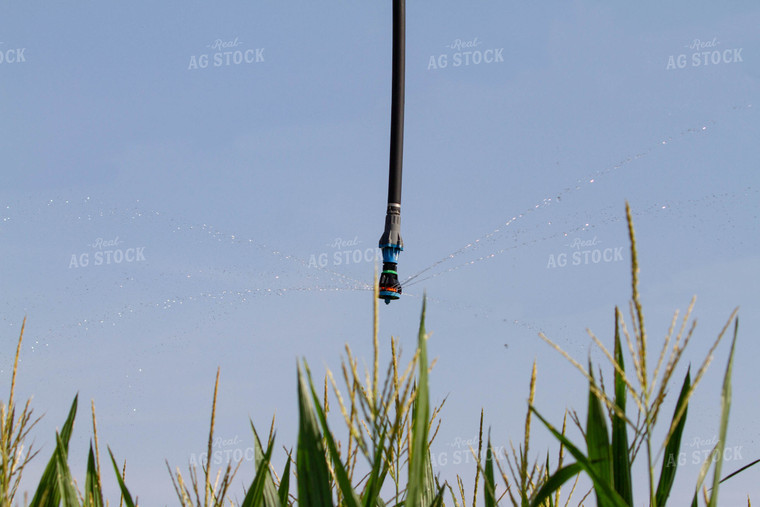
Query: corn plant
{"type": "Point", "coordinates": [381, 439]}
{"type": "Point", "coordinates": [389, 424]}
{"type": "Point", "coordinates": [13, 433]}
{"type": "Point", "coordinates": [56, 486]}
{"type": "Point", "coordinates": [609, 458]}
{"type": "Point", "coordinates": [522, 478]}
{"type": "Point", "coordinates": [211, 495]}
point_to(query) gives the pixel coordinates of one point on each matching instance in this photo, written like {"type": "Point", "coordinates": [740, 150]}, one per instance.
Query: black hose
{"type": "Point", "coordinates": [397, 102]}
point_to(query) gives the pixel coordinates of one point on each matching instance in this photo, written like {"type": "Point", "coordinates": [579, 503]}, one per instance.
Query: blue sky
{"type": "Point", "coordinates": [228, 187]}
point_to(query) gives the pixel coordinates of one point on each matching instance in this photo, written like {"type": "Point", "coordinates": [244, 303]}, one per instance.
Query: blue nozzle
{"type": "Point", "coordinates": [391, 252]}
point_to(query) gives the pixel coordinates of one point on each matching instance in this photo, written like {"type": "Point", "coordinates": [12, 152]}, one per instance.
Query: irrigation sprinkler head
{"type": "Point", "coordinates": [390, 288]}
{"type": "Point", "coordinates": [392, 245]}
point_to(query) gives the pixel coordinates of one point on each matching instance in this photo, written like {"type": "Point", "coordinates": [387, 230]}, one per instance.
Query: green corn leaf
{"type": "Point", "coordinates": [379, 472]}
{"type": "Point", "coordinates": [555, 482]}
{"type": "Point", "coordinates": [621, 464]}
{"type": "Point", "coordinates": [489, 487]}
{"type": "Point", "coordinates": [419, 452]}
{"type": "Point", "coordinates": [598, 443]}
{"type": "Point", "coordinates": [542, 480]}
{"type": "Point", "coordinates": [48, 494]}
{"type": "Point", "coordinates": [313, 476]}
{"type": "Point", "coordinates": [344, 483]}
{"type": "Point", "coordinates": [717, 451]}
{"type": "Point", "coordinates": [123, 487]}
{"type": "Point", "coordinates": [701, 478]}
{"type": "Point", "coordinates": [432, 492]}
{"type": "Point", "coordinates": [93, 496]}
{"type": "Point", "coordinates": [262, 460]}
{"type": "Point", "coordinates": [602, 487]}
{"type": "Point", "coordinates": [673, 446]}
{"type": "Point", "coordinates": [438, 500]}
{"type": "Point", "coordinates": [69, 497]}
{"type": "Point", "coordinates": [725, 403]}
{"type": "Point", "coordinates": [284, 490]}
{"type": "Point", "coordinates": [261, 492]}
{"type": "Point", "coordinates": [383, 432]}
